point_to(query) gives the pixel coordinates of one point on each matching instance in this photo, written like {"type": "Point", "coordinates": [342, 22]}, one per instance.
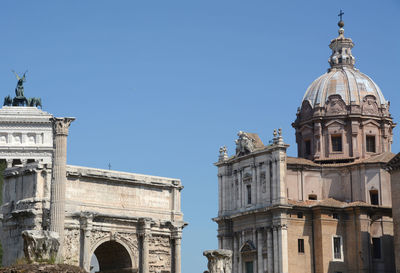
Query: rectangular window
{"type": "Point", "coordinates": [370, 144]}
{"type": "Point", "coordinates": [374, 196]}
{"type": "Point", "coordinates": [308, 147]}
{"type": "Point", "coordinates": [248, 194]}
{"type": "Point", "coordinates": [376, 248]}
{"type": "Point", "coordinates": [300, 245]}
{"type": "Point", "coordinates": [336, 143]}
{"type": "Point", "coordinates": [249, 267]}
{"type": "Point", "coordinates": [337, 248]}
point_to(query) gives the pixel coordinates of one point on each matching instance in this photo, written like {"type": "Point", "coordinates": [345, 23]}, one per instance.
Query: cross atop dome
{"type": "Point", "coordinates": [341, 48]}
{"type": "Point", "coordinates": [341, 13]}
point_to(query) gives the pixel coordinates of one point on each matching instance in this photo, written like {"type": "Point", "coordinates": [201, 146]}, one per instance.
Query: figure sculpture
{"type": "Point", "coordinates": [19, 90]}
{"type": "Point", "coordinates": [20, 99]}
{"type": "Point", "coordinates": [219, 260]}
{"type": "Point", "coordinates": [244, 144]}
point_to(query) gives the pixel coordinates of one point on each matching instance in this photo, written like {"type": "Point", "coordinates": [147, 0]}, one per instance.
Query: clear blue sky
{"type": "Point", "coordinates": [158, 86]}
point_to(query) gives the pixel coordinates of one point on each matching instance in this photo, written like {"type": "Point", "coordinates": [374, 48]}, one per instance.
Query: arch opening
{"type": "Point", "coordinates": [112, 257]}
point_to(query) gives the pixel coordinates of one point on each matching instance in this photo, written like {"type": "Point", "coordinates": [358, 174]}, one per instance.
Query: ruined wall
{"type": "Point", "coordinates": [72, 239]}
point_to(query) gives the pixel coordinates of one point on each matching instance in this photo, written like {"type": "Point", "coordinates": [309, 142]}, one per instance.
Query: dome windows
{"type": "Point", "coordinates": [336, 143]}
{"type": "Point", "coordinates": [370, 141]}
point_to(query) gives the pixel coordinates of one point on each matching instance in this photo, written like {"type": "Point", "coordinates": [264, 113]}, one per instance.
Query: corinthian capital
{"type": "Point", "coordinates": [61, 125]}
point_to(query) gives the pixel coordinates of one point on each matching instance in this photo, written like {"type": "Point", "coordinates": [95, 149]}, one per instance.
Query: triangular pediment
{"type": "Point", "coordinates": [247, 247]}
{"type": "Point", "coordinates": [335, 121]}
{"type": "Point", "coordinates": [306, 127]}
{"type": "Point", "coordinates": [370, 121]}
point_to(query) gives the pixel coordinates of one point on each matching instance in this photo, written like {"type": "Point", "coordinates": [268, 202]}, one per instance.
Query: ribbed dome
{"type": "Point", "coordinates": [343, 116]}
{"type": "Point", "coordinates": [349, 83]}
{"type": "Point", "coordinates": [342, 78]}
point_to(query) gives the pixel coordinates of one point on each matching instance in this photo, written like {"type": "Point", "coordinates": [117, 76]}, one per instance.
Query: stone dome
{"type": "Point", "coordinates": [352, 86]}
{"type": "Point", "coordinates": [343, 116]}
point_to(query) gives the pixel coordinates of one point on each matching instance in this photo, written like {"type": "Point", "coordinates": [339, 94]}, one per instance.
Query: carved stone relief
{"type": "Point", "coordinates": [159, 254]}
{"type": "Point", "coordinates": [306, 111]}
{"type": "Point", "coordinates": [369, 106]}
{"type": "Point", "coordinates": [335, 105]}
{"type": "Point", "coordinates": [72, 241]}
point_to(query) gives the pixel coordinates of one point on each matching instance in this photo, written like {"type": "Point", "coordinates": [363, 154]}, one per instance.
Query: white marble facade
{"type": "Point", "coordinates": [26, 134]}
{"type": "Point", "coordinates": [252, 203]}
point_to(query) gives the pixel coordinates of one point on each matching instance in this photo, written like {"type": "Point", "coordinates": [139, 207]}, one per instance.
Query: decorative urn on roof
{"type": "Point", "coordinates": [344, 115]}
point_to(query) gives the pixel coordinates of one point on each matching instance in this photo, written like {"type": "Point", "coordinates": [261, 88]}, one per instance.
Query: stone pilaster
{"type": "Point", "coordinates": [57, 198]}
{"type": "Point", "coordinates": [177, 237]}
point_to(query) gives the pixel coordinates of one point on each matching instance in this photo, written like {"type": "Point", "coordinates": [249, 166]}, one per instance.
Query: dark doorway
{"type": "Point", "coordinates": [113, 257]}
{"type": "Point", "coordinates": [249, 267]}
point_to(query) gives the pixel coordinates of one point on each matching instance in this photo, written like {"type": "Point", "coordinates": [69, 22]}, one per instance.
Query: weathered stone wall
{"type": "Point", "coordinates": [72, 239]}
{"type": "Point", "coordinates": [24, 207]}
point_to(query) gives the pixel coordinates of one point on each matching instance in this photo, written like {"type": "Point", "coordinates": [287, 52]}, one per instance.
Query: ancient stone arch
{"type": "Point", "coordinates": [103, 237]}
{"type": "Point", "coordinates": [113, 255]}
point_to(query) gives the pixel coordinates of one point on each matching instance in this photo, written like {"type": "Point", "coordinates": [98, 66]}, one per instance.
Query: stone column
{"type": "Point", "coordinates": [268, 183]}
{"type": "Point", "coordinates": [220, 194]}
{"type": "Point", "coordinates": [86, 221]}
{"type": "Point", "coordinates": [260, 264]}
{"type": "Point", "coordinates": [276, 250]}
{"type": "Point", "coordinates": [145, 251]}
{"type": "Point", "coordinates": [258, 184]}
{"type": "Point", "coordinates": [145, 234]}
{"type": "Point", "coordinates": [237, 190]}
{"type": "Point", "coordinates": [283, 249]}
{"type": "Point", "coordinates": [177, 236]}
{"type": "Point", "coordinates": [240, 186]}
{"type": "Point", "coordinates": [254, 186]}
{"type": "Point", "coordinates": [240, 266]}
{"type": "Point", "coordinates": [235, 253]}
{"type": "Point", "coordinates": [223, 194]}
{"type": "Point", "coordinates": [273, 184]}
{"type": "Point", "coordinates": [270, 254]}
{"type": "Point", "coordinates": [59, 178]}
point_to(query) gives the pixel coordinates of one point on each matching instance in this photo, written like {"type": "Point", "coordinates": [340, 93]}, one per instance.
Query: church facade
{"type": "Point", "coordinates": [327, 210]}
